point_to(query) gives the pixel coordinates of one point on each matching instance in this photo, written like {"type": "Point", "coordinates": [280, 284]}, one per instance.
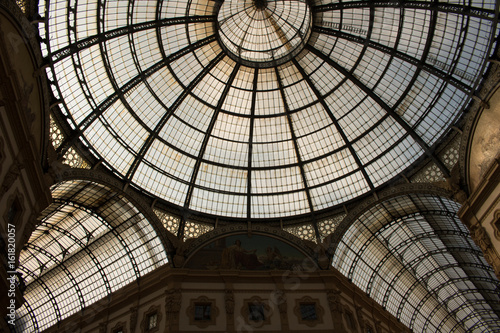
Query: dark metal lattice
{"type": "Point", "coordinates": [413, 256]}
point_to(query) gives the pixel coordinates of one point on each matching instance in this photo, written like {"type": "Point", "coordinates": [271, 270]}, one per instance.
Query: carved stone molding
{"type": "Point", "coordinates": [15, 201]}
{"type": "Point", "coordinates": [2, 153]}
{"type": "Point", "coordinates": [10, 178]}
{"type": "Point", "coordinates": [333, 297]}
{"type": "Point", "coordinates": [482, 239]}
{"type": "Point", "coordinates": [134, 314]}
{"type": "Point", "coordinates": [360, 317]}
{"type": "Point", "coordinates": [103, 327]}
{"type": "Point", "coordinates": [119, 327]}
{"type": "Point", "coordinates": [229, 302]}
{"type": "Point", "coordinates": [278, 298]}
{"type": "Point", "coordinates": [496, 224]}
{"type": "Point", "coordinates": [173, 301]}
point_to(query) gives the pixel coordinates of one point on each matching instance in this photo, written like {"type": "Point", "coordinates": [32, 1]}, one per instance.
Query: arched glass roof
{"type": "Point", "coordinates": [263, 33]}
{"type": "Point", "coordinates": [413, 255]}
{"type": "Point", "coordinates": [262, 109]}
{"type": "Point", "coordinates": [90, 242]}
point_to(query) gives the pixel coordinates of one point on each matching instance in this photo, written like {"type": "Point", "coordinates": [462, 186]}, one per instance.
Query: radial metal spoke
{"type": "Point", "coordinates": [448, 78]}
{"type": "Point", "coordinates": [121, 91]}
{"type": "Point", "coordinates": [106, 36]}
{"type": "Point", "coordinates": [429, 152]}
{"type": "Point", "coordinates": [250, 142]}
{"type": "Point", "coordinates": [208, 133]}
{"type": "Point", "coordinates": [339, 128]}
{"type": "Point", "coordinates": [161, 123]}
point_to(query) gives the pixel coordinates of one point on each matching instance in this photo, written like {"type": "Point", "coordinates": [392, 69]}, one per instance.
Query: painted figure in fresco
{"type": "Point", "coordinates": [235, 256]}
{"type": "Point", "coordinates": [273, 254]}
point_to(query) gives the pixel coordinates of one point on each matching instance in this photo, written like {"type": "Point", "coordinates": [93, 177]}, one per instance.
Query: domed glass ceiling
{"type": "Point", "coordinates": [263, 33]}
{"type": "Point", "coordinates": [262, 109]}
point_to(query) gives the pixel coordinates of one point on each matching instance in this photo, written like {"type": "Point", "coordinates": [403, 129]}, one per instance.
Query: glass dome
{"type": "Point", "coordinates": [262, 109]}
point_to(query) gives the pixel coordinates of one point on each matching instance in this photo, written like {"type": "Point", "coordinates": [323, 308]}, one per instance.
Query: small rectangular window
{"type": "Point", "coordinates": [308, 311]}
{"type": "Point", "coordinates": [152, 321]}
{"type": "Point", "coordinates": [256, 312]}
{"type": "Point", "coordinates": [202, 311]}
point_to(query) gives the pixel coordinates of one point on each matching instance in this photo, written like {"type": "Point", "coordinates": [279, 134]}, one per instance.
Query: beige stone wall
{"type": "Point", "coordinates": [172, 292]}
{"type": "Point", "coordinates": [481, 211]}
{"type": "Point", "coordinates": [481, 214]}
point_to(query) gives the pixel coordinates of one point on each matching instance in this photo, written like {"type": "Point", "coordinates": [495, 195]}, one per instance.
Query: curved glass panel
{"type": "Point", "coordinates": [412, 255]}
{"type": "Point", "coordinates": [89, 243]}
{"type": "Point", "coordinates": [263, 108]}
{"type": "Point", "coordinates": [262, 32]}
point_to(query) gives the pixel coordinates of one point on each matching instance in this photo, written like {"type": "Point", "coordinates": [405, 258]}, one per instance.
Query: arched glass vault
{"type": "Point", "coordinates": [414, 256]}
{"type": "Point", "coordinates": [90, 242]}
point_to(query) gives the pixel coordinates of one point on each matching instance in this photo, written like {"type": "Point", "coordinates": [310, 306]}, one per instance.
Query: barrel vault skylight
{"type": "Point", "coordinates": [413, 255]}
{"type": "Point", "coordinates": [90, 242]}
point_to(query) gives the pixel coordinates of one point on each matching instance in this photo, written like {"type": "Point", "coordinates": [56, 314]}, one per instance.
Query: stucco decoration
{"type": "Point", "coordinates": [485, 141]}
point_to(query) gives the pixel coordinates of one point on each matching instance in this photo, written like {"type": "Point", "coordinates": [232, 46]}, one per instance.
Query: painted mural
{"type": "Point", "coordinates": [257, 252]}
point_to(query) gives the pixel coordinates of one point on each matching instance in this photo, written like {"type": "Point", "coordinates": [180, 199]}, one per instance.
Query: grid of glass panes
{"type": "Point", "coordinates": [89, 243]}
{"type": "Point", "coordinates": [412, 255]}
{"type": "Point", "coordinates": [261, 36]}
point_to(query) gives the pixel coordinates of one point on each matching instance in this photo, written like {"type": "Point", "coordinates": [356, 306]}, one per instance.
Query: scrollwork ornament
{"type": "Point", "coordinates": [229, 301]}
{"type": "Point", "coordinates": [173, 301]}
{"type": "Point", "coordinates": [334, 302]}
{"type": "Point", "coordinates": [278, 297]}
